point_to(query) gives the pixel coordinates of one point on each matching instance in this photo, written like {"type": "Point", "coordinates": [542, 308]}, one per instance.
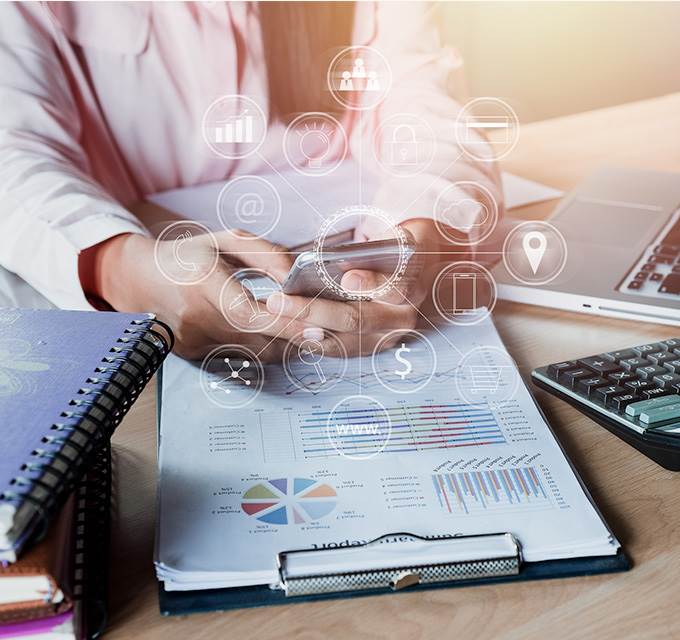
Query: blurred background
{"type": "Point", "coordinates": [549, 59]}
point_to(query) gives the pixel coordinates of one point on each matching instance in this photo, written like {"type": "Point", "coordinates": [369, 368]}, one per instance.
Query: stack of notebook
{"type": "Point", "coordinates": [66, 380]}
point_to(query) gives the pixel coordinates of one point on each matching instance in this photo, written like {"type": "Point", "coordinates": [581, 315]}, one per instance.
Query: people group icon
{"type": "Point", "coordinates": [359, 79]}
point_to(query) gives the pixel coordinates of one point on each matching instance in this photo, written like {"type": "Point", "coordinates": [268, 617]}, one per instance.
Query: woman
{"type": "Point", "coordinates": [102, 104]}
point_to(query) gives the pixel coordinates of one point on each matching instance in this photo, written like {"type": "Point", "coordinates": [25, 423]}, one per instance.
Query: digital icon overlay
{"type": "Point", "coordinates": [315, 144]}
{"type": "Point", "coordinates": [465, 213]}
{"type": "Point", "coordinates": [308, 365]}
{"type": "Point", "coordinates": [535, 252]}
{"type": "Point", "coordinates": [249, 203]}
{"type": "Point", "coordinates": [487, 129]}
{"type": "Point", "coordinates": [359, 427]}
{"type": "Point", "coordinates": [383, 226]}
{"type": "Point", "coordinates": [464, 293]}
{"type": "Point", "coordinates": [243, 300]}
{"type": "Point", "coordinates": [404, 144]}
{"type": "Point", "coordinates": [359, 77]}
{"type": "Point", "coordinates": [186, 252]}
{"type": "Point", "coordinates": [487, 375]}
{"type": "Point", "coordinates": [411, 363]}
{"type": "Point", "coordinates": [231, 376]}
{"type": "Point", "coordinates": [234, 126]}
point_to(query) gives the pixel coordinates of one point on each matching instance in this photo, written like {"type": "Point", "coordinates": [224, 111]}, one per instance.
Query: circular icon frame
{"type": "Point", "coordinates": [240, 279]}
{"type": "Point", "coordinates": [462, 124]}
{"type": "Point", "coordinates": [448, 232]}
{"type": "Point", "coordinates": [336, 287]}
{"type": "Point", "coordinates": [475, 314]}
{"type": "Point", "coordinates": [379, 142]}
{"type": "Point", "coordinates": [403, 333]}
{"type": "Point", "coordinates": [224, 192]}
{"type": "Point", "coordinates": [240, 132]}
{"type": "Point", "coordinates": [357, 105]}
{"type": "Point", "coordinates": [487, 377]}
{"type": "Point", "coordinates": [177, 243]}
{"type": "Point", "coordinates": [208, 386]}
{"type": "Point", "coordinates": [524, 227]}
{"type": "Point", "coordinates": [295, 345]}
{"type": "Point", "coordinates": [330, 420]}
{"type": "Point", "coordinates": [291, 130]}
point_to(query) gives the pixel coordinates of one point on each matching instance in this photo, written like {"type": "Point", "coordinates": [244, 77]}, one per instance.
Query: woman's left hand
{"type": "Point", "coordinates": [361, 324]}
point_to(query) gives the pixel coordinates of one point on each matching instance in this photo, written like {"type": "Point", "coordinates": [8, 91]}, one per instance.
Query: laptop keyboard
{"type": "Point", "coordinates": [657, 273]}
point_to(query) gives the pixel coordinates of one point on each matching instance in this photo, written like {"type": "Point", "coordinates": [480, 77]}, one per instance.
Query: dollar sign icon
{"type": "Point", "coordinates": [402, 373]}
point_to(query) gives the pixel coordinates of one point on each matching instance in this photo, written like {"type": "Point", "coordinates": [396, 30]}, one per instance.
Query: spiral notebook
{"type": "Point", "coordinates": [67, 378]}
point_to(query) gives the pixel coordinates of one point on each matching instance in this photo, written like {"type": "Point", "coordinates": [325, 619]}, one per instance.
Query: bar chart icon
{"type": "Point", "coordinates": [235, 129]}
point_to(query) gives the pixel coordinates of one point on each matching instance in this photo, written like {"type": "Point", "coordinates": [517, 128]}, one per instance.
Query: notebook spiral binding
{"type": "Point", "coordinates": [90, 419]}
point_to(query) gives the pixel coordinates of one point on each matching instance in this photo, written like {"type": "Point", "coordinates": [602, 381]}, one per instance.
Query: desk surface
{"type": "Point", "coordinates": [640, 500]}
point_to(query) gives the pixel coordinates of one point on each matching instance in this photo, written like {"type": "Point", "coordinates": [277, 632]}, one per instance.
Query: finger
{"type": "Point", "coordinates": [343, 316]}
{"type": "Point", "coordinates": [403, 289]}
{"type": "Point", "coordinates": [341, 345]}
{"type": "Point", "coordinates": [255, 252]}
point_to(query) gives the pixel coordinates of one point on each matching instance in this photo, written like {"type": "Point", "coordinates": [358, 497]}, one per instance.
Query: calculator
{"type": "Point", "coordinates": [634, 393]}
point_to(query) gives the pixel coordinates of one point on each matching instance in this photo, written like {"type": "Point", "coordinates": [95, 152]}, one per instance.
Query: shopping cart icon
{"type": "Point", "coordinates": [486, 378]}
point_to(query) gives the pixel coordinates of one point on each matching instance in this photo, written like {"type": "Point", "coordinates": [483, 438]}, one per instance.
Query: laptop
{"type": "Point", "coordinates": [622, 230]}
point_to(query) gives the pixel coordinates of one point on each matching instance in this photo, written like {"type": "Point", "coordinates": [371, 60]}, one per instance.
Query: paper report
{"type": "Point", "coordinates": [355, 459]}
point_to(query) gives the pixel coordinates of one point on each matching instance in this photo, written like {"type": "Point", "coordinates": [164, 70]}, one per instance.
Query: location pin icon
{"type": "Point", "coordinates": [534, 244]}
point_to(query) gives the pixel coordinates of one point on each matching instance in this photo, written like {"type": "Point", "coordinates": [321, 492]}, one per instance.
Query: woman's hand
{"type": "Point", "coordinates": [361, 325]}
{"type": "Point", "coordinates": [127, 277]}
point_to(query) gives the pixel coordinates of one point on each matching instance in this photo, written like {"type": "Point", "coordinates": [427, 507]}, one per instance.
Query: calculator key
{"type": "Point", "coordinates": [661, 259]}
{"type": "Point", "coordinates": [619, 403]}
{"type": "Point", "coordinates": [656, 392]}
{"type": "Point", "coordinates": [648, 372]}
{"type": "Point", "coordinates": [643, 350]}
{"type": "Point", "coordinates": [635, 409]}
{"type": "Point", "coordinates": [631, 364]}
{"type": "Point", "coordinates": [554, 370]}
{"type": "Point", "coordinates": [570, 378]}
{"type": "Point", "coordinates": [675, 269]}
{"type": "Point", "coordinates": [603, 394]}
{"type": "Point", "coordinates": [587, 386]}
{"type": "Point", "coordinates": [667, 380]}
{"type": "Point", "coordinates": [656, 277]}
{"type": "Point", "coordinates": [635, 284]}
{"type": "Point", "coordinates": [662, 357]}
{"type": "Point", "coordinates": [673, 366]}
{"type": "Point", "coordinates": [671, 284]}
{"type": "Point", "coordinates": [661, 414]}
{"type": "Point", "coordinates": [670, 344]}
{"type": "Point", "coordinates": [643, 275]}
{"type": "Point", "coordinates": [617, 356]}
{"type": "Point", "coordinates": [599, 364]}
{"type": "Point", "coordinates": [620, 377]}
{"type": "Point", "coordinates": [638, 386]}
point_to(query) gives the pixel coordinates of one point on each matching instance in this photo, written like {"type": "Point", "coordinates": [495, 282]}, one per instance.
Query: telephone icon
{"type": "Point", "coordinates": [177, 245]}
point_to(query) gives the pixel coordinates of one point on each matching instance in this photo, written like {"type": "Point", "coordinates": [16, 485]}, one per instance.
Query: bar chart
{"type": "Point", "coordinates": [468, 492]}
{"type": "Point", "coordinates": [236, 129]}
{"type": "Point", "coordinates": [411, 428]}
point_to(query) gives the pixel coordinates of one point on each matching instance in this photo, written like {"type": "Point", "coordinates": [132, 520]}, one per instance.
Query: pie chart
{"type": "Point", "coordinates": [283, 501]}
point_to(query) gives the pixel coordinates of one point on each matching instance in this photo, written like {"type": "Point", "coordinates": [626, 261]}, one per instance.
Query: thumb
{"type": "Point", "coordinates": [256, 252]}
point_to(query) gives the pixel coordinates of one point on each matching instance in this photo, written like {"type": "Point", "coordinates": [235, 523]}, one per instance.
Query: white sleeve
{"type": "Point", "coordinates": [50, 207]}
{"type": "Point", "coordinates": [423, 72]}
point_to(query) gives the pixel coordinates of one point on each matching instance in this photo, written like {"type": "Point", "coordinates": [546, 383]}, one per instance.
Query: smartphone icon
{"type": "Point", "coordinates": [464, 293]}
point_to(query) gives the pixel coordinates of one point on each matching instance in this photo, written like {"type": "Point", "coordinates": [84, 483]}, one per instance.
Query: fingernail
{"type": "Point", "coordinates": [354, 283]}
{"type": "Point", "coordinates": [313, 333]}
{"type": "Point", "coordinates": [276, 303]}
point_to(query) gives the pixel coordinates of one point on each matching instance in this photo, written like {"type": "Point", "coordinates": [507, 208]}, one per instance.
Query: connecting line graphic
{"type": "Point", "coordinates": [361, 328]}
{"type": "Point", "coordinates": [278, 173]}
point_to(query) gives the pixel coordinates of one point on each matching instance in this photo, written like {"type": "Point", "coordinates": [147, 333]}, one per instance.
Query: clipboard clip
{"type": "Point", "coordinates": [397, 561]}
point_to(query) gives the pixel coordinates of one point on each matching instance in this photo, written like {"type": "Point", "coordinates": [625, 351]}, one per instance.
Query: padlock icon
{"type": "Point", "coordinates": [403, 146]}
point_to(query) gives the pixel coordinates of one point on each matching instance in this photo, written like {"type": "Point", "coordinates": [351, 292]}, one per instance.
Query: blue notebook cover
{"type": "Point", "coordinates": [46, 357]}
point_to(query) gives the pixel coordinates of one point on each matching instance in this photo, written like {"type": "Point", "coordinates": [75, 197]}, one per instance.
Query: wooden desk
{"type": "Point", "coordinates": [640, 500]}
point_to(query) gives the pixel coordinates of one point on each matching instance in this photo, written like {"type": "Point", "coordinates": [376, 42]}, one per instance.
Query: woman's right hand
{"type": "Point", "coordinates": [125, 275]}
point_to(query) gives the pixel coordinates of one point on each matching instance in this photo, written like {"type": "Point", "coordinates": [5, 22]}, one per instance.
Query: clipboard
{"type": "Point", "coordinates": [441, 562]}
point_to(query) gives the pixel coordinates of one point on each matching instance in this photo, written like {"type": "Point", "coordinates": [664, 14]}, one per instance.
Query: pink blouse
{"type": "Point", "coordinates": [101, 105]}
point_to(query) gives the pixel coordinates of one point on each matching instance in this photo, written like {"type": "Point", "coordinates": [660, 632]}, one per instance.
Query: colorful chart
{"type": "Point", "coordinates": [470, 491]}
{"type": "Point", "coordinates": [289, 501]}
{"type": "Point", "coordinates": [413, 428]}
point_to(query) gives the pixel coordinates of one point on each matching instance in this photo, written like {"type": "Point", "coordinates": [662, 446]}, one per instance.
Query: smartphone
{"type": "Point", "coordinates": [303, 279]}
